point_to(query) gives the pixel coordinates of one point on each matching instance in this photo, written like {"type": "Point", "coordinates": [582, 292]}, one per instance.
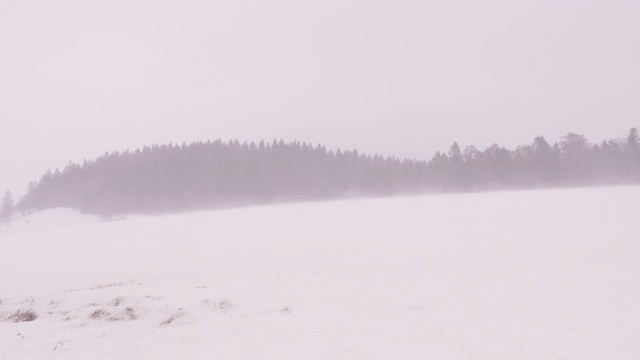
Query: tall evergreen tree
{"type": "Point", "coordinates": [633, 139]}
{"type": "Point", "coordinates": [632, 155]}
{"type": "Point", "coordinates": [544, 162]}
{"type": "Point", "coordinates": [6, 206]}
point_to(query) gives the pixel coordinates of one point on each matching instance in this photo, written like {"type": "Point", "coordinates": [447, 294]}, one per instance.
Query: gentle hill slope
{"type": "Point", "coordinates": [528, 275]}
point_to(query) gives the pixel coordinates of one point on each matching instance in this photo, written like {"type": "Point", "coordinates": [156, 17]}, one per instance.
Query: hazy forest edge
{"type": "Point", "coordinates": [217, 174]}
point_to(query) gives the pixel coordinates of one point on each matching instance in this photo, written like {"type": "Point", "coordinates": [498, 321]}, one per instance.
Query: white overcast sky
{"type": "Point", "coordinates": [78, 78]}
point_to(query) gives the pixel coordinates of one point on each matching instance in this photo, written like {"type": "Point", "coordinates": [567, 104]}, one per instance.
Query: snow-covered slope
{"type": "Point", "coordinates": [512, 275]}
{"type": "Point", "coordinates": [46, 220]}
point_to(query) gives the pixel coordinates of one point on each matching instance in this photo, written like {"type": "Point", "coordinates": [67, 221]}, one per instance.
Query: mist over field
{"type": "Point", "coordinates": [404, 78]}
{"type": "Point", "coordinates": [319, 179]}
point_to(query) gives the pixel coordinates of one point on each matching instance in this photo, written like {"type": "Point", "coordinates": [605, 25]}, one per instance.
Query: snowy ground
{"type": "Point", "coordinates": [513, 275]}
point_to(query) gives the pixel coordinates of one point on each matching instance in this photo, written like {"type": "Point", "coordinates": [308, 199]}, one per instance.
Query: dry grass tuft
{"type": "Point", "coordinates": [23, 316]}
{"type": "Point", "coordinates": [131, 313]}
{"type": "Point", "coordinates": [223, 305]}
{"type": "Point", "coordinates": [99, 314]}
{"type": "Point", "coordinates": [172, 318]}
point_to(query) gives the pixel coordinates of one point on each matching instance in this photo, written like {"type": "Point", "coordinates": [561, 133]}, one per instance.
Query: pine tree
{"type": "Point", "coordinates": [632, 155]}
{"type": "Point", "coordinates": [633, 140]}
{"type": "Point", "coordinates": [6, 207]}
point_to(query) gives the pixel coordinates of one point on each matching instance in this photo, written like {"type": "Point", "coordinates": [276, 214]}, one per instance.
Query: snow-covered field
{"type": "Point", "coordinates": [510, 275]}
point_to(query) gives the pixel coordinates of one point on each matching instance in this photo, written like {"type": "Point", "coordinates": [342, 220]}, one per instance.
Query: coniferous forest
{"type": "Point", "coordinates": [215, 174]}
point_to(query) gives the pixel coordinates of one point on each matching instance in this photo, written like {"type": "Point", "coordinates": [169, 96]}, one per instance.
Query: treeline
{"type": "Point", "coordinates": [205, 175]}
{"type": "Point", "coordinates": [202, 175]}
{"type": "Point", "coordinates": [573, 161]}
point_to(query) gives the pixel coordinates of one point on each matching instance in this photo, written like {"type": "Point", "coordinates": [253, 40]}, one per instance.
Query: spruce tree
{"type": "Point", "coordinates": [6, 207]}
{"type": "Point", "coordinates": [632, 155]}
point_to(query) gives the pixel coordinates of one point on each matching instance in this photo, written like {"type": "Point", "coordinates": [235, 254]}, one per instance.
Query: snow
{"type": "Point", "coordinates": [47, 219]}
{"type": "Point", "coordinates": [506, 275]}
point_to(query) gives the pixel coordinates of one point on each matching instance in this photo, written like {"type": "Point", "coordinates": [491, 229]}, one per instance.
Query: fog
{"type": "Point", "coordinates": [405, 77]}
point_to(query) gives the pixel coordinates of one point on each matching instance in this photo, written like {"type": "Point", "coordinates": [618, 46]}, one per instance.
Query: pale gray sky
{"type": "Point", "coordinates": [78, 78]}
